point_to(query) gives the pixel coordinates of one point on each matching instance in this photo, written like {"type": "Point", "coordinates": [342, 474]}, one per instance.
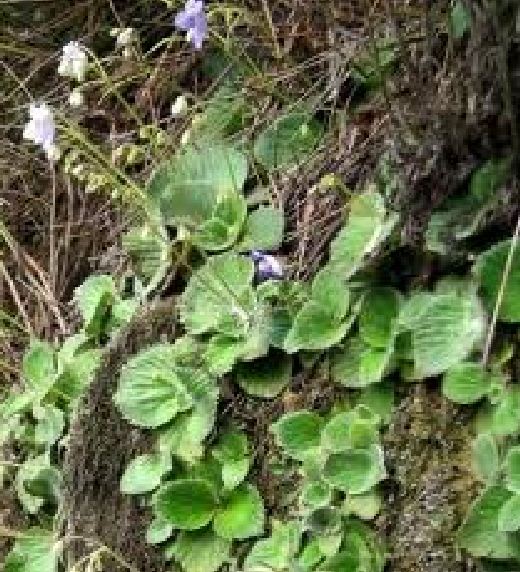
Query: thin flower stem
{"type": "Point", "coordinates": [500, 295]}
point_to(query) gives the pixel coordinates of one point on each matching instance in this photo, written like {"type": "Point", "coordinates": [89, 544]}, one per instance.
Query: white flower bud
{"type": "Point", "coordinates": [76, 98]}
{"type": "Point", "coordinates": [179, 106]}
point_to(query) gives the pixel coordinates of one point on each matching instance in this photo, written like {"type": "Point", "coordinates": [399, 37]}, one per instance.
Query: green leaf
{"type": "Point", "coordinates": [263, 230]}
{"type": "Point", "coordinates": [465, 383]}
{"type": "Point", "coordinates": [252, 342]}
{"type": "Point", "coordinates": [36, 550]}
{"type": "Point", "coordinates": [188, 504]}
{"type": "Point", "coordinates": [276, 552]}
{"type": "Point", "coordinates": [298, 433]}
{"type": "Point", "coordinates": [349, 430]}
{"type": "Point", "coordinates": [148, 251]}
{"type": "Point", "coordinates": [509, 515]}
{"type": "Point", "coordinates": [366, 506]}
{"type": "Point", "coordinates": [379, 312]}
{"type": "Point", "coordinates": [45, 483]}
{"type": "Point", "coordinates": [158, 531]}
{"type": "Point", "coordinates": [30, 471]}
{"type": "Point", "coordinates": [355, 471]}
{"type": "Point", "coordinates": [265, 377]}
{"type": "Point", "coordinates": [287, 141]}
{"type": "Point", "coordinates": [325, 521]}
{"type": "Point", "coordinates": [464, 216]}
{"type": "Point", "coordinates": [341, 562]}
{"type": "Point", "coordinates": [485, 458]}
{"type": "Point", "coordinates": [201, 551]}
{"type": "Point", "coordinates": [186, 433]}
{"type": "Point", "coordinates": [241, 515]}
{"type": "Point", "coordinates": [188, 188]}
{"type": "Point", "coordinates": [367, 228]}
{"type": "Point", "coordinates": [379, 399]}
{"type": "Point", "coordinates": [315, 494]}
{"type": "Point", "coordinates": [314, 328]}
{"type": "Point", "coordinates": [51, 422]}
{"type": "Point", "coordinates": [232, 452]}
{"type": "Point", "coordinates": [372, 67]}
{"type": "Point", "coordinates": [449, 329]}
{"type": "Point", "coordinates": [489, 177]}
{"type": "Point", "coordinates": [362, 541]}
{"type": "Point", "coordinates": [152, 388]}
{"type": "Point", "coordinates": [144, 474]}
{"type": "Point", "coordinates": [93, 299]}
{"type": "Point", "coordinates": [14, 404]}
{"type": "Point", "coordinates": [479, 533]}
{"type": "Point", "coordinates": [330, 292]}
{"type": "Point", "coordinates": [357, 365]}
{"type": "Point", "coordinates": [225, 112]}
{"type": "Point", "coordinates": [222, 229]}
{"type": "Point", "coordinates": [512, 465]}
{"type": "Point", "coordinates": [38, 367]}
{"type": "Point", "coordinates": [336, 433]}
{"type": "Point", "coordinates": [218, 292]}
{"type": "Point", "coordinates": [489, 270]}
{"type": "Point", "coordinates": [505, 418]}
{"type": "Point", "coordinates": [330, 544]}
{"type": "Point", "coordinates": [460, 19]}
{"type": "Point", "coordinates": [311, 556]}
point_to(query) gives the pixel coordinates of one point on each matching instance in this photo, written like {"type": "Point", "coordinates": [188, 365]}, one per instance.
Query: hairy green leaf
{"type": "Point", "coordinates": [465, 383]}
{"type": "Point", "coordinates": [219, 292]}
{"type": "Point", "coordinates": [188, 188]}
{"type": "Point", "coordinates": [288, 140]}
{"type": "Point", "coordinates": [509, 515]}
{"type": "Point", "coordinates": [144, 474]}
{"type": "Point", "coordinates": [241, 515]}
{"type": "Point", "coordinates": [201, 551]}
{"type": "Point", "coordinates": [480, 535]}
{"type": "Point", "coordinates": [512, 466]}
{"type": "Point", "coordinates": [489, 270]}
{"type": "Point", "coordinates": [298, 433]}
{"type": "Point", "coordinates": [188, 504]}
{"type": "Point", "coordinates": [278, 550]}
{"type": "Point", "coordinates": [265, 377]}
{"type": "Point", "coordinates": [485, 457]}
{"type": "Point", "coordinates": [355, 471]}
{"type": "Point", "coordinates": [263, 230]}
{"type": "Point", "coordinates": [35, 550]}
{"type": "Point", "coordinates": [93, 299]}
{"type": "Point", "coordinates": [367, 228]}
{"type": "Point", "coordinates": [152, 389]}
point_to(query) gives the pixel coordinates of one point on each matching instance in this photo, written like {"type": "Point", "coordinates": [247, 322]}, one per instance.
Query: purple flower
{"type": "Point", "coordinates": [193, 21]}
{"type": "Point", "coordinates": [267, 266]}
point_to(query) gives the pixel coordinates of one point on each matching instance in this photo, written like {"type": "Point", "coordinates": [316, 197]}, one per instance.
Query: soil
{"type": "Point", "coordinates": [428, 449]}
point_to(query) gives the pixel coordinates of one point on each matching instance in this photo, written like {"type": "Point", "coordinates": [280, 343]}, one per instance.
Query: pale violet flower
{"type": "Point", "coordinates": [179, 106]}
{"type": "Point", "coordinates": [74, 61]}
{"type": "Point", "coordinates": [76, 97]}
{"type": "Point", "coordinates": [267, 266]}
{"type": "Point", "coordinates": [193, 21]}
{"type": "Point", "coordinates": [40, 129]}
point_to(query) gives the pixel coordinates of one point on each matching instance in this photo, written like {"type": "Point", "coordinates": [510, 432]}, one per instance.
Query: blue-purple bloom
{"type": "Point", "coordinates": [193, 21]}
{"type": "Point", "coordinates": [267, 266]}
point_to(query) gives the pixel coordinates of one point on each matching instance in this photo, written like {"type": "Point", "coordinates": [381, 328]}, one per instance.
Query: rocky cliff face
{"type": "Point", "coordinates": [94, 513]}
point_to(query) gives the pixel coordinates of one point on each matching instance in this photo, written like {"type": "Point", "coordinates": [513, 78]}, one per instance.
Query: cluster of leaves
{"type": "Point", "coordinates": [340, 462]}
{"type": "Point", "coordinates": [200, 191]}
{"type": "Point", "coordinates": [36, 416]}
{"type": "Point", "coordinates": [204, 500]}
